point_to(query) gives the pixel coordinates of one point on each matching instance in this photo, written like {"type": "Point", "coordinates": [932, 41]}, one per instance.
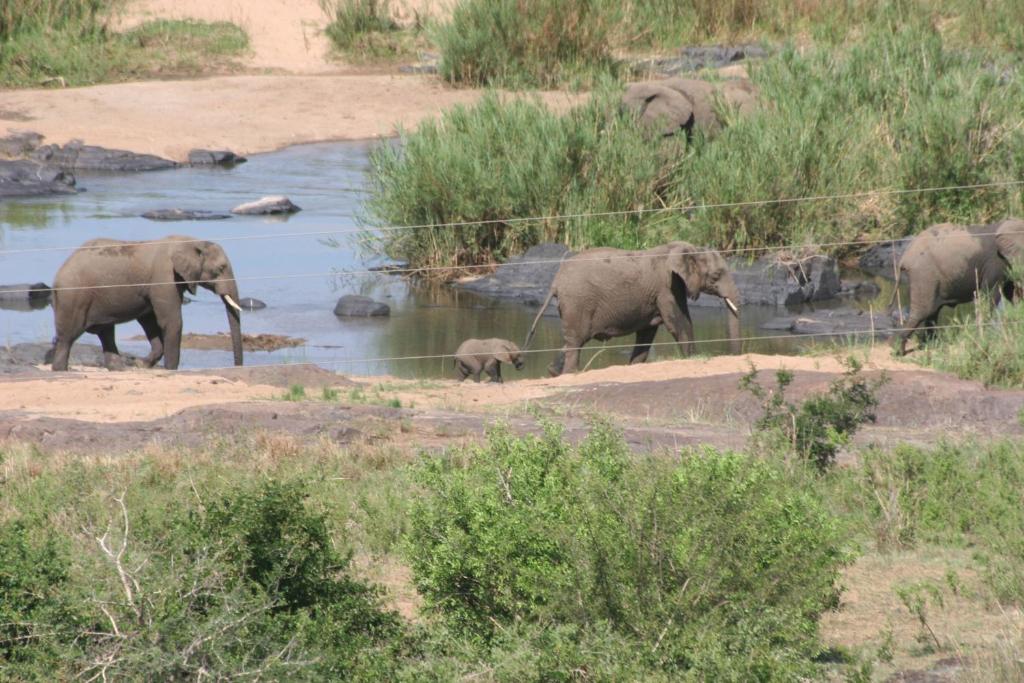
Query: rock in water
{"type": "Point", "coordinates": [356, 306]}
{"type": "Point", "coordinates": [25, 297]}
{"type": "Point", "coordinates": [214, 157]}
{"type": "Point", "coordinates": [249, 304]}
{"type": "Point", "coordinates": [79, 157]}
{"type": "Point", "coordinates": [184, 215]}
{"type": "Point", "coordinates": [19, 144]}
{"type": "Point", "coordinates": [23, 178]}
{"type": "Point", "coordinates": [266, 206]}
{"type": "Point", "coordinates": [525, 278]}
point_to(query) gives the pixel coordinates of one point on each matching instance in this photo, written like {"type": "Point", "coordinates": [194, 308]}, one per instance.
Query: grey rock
{"type": "Point", "coordinates": [860, 290]}
{"type": "Point", "coordinates": [836, 322]}
{"type": "Point", "coordinates": [879, 259]}
{"type": "Point", "coordinates": [214, 157]}
{"type": "Point", "coordinates": [525, 278]}
{"type": "Point", "coordinates": [250, 304]}
{"type": "Point", "coordinates": [80, 157]}
{"type": "Point", "coordinates": [184, 215]}
{"type": "Point", "coordinates": [769, 282]}
{"type": "Point", "coordinates": [25, 297]}
{"type": "Point", "coordinates": [357, 306]}
{"type": "Point", "coordinates": [699, 57]}
{"type": "Point", "coordinates": [25, 178]}
{"type": "Point", "coordinates": [23, 357]}
{"type": "Point", "coordinates": [266, 206]}
{"type": "Point", "coordinates": [19, 144]}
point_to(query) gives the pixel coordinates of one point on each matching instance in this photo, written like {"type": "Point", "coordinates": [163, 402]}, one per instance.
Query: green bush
{"type": "Point", "coordinates": [950, 495]}
{"type": "Point", "coordinates": [897, 110]}
{"type": "Point", "coordinates": [822, 424]}
{"type": "Point", "coordinates": [515, 159]}
{"type": "Point", "coordinates": [248, 585]}
{"type": "Point", "coordinates": [69, 41]}
{"type": "Point", "coordinates": [366, 28]}
{"type": "Point", "coordinates": [515, 43]}
{"type": "Point", "coordinates": [38, 623]}
{"type": "Point", "coordinates": [987, 347]}
{"type": "Point", "coordinates": [717, 567]}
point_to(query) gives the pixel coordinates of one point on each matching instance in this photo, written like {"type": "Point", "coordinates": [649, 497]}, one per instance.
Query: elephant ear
{"type": "Point", "coordinates": [688, 265]}
{"type": "Point", "coordinates": [507, 352]}
{"type": "Point", "coordinates": [1010, 241]}
{"type": "Point", "coordinates": [187, 262]}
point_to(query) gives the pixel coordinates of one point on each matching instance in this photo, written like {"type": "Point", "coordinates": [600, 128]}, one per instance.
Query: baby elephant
{"type": "Point", "coordinates": [478, 355]}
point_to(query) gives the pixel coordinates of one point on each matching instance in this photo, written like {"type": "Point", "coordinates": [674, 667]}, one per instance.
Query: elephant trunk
{"type": "Point", "coordinates": [227, 290]}
{"type": "Point", "coordinates": [731, 296]}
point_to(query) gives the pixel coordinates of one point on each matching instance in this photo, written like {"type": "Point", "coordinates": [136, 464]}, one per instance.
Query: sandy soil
{"type": "Point", "coordinates": [246, 114]}
{"type": "Point", "coordinates": [284, 35]}
{"type": "Point", "coordinates": [295, 94]}
{"type": "Point", "coordinates": [135, 394]}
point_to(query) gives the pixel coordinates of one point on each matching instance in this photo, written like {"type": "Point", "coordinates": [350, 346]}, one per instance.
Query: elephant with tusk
{"type": "Point", "coordinates": [106, 282]}
{"type": "Point", "coordinates": [604, 293]}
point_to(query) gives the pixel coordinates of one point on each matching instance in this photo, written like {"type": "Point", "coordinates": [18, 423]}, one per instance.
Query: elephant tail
{"type": "Point", "coordinates": [896, 288]}
{"type": "Point", "coordinates": [543, 307]}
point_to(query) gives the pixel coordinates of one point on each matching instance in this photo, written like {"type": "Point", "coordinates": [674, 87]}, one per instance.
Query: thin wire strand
{"type": "Point", "coordinates": [552, 217]}
{"type": "Point", "coordinates": [390, 359]}
{"type": "Point", "coordinates": [635, 255]}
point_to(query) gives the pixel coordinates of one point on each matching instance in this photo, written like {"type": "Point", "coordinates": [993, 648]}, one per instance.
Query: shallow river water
{"type": "Point", "coordinates": [300, 277]}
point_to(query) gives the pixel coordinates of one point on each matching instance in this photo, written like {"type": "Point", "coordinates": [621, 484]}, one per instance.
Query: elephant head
{"type": "Point", "coordinates": [1010, 244]}
{"type": "Point", "coordinates": [706, 271]}
{"type": "Point", "coordinates": [206, 264]}
{"type": "Point", "coordinates": [508, 352]}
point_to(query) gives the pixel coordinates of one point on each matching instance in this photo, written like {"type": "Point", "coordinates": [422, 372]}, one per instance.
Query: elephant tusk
{"type": "Point", "coordinates": [732, 306]}
{"type": "Point", "coordinates": [231, 302]}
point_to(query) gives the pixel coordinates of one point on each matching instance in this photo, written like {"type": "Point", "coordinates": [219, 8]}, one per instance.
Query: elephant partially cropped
{"type": "Point", "coordinates": [475, 356]}
{"type": "Point", "coordinates": [106, 282]}
{"type": "Point", "coordinates": [688, 104]}
{"type": "Point", "coordinates": [948, 264]}
{"type": "Point", "coordinates": [604, 293]}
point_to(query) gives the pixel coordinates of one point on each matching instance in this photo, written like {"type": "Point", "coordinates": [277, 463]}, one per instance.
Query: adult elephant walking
{"type": "Point", "coordinates": [604, 293]}
{"type": "Point", "coordinates": [948, 264]}
{"type": "Point", "coordinates": [106, 282]}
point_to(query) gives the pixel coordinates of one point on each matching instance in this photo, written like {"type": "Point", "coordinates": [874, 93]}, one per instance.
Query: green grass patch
{"type": "Point", "coordinates": [362, 30]}
{"type": "Point", "coordinates": [899, 109]}
{"type": "Point", "coordinates": [70, 43]}
{"type": "Point", "coordinates": [986, 346]}
{"type": "Point", "coordinates": [551, 42]}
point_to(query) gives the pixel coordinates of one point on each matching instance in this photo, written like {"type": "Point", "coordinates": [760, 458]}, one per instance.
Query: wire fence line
{"type": "Point", "coordinates": [720, 340]}
{"type": "Point", "coordinates": [545, 218]}
{"type": "Point", "coordinates": [398, 270]}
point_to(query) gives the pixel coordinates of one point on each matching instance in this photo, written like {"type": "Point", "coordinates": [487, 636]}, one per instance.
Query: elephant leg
{"type": "Point", "coordinates": [914, 322]}
{"type": "Point", "coordinates": [676, 315]}
{"type": "Point", "coordinates": [68, 329]}
{"type": "Point", "coordinates": [155, 337]}
{"type": "Point", "coordinates": [926, 332]}
{"type": "Point", "coordinates": [571, 349]}
{"type": "Point", "coordinates": [556, 366]}
{"type": "Point", "coordinates": [111, 356]}
{"type": "Point", "coordinates": [644, 338]}
{"type": "Point", "coordinates": [493, 368]}
{"type": "Point", "coordinates": [169, 320]}
{"type": "Point", "coordinates": [62, 348]}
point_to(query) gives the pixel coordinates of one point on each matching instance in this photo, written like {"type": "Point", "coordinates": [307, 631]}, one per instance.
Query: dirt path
{"type": "Point", "coordinates": [296, 93]}
{"type": "Point", "coordinates": [246, 114]}
{"type": "Point", "coordinates": [284, 35]}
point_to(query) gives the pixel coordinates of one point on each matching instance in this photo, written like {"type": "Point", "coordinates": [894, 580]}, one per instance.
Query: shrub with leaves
{"type": "Point", "coordinates": [822, 424]}
{"type": "Point", "coordinates": [717, 567]}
